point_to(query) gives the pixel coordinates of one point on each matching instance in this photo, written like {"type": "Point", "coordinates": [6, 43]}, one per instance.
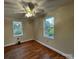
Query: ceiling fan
{"type": "Point", "coordinates": [31, 9]}
{"type": "Point", "coordinates": [24, 8]}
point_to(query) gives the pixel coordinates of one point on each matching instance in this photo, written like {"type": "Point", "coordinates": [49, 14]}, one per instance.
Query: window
{"type": "Point", "coordinates": [17, 28]}
{"type": "Point", "coordinates": [49, 27]}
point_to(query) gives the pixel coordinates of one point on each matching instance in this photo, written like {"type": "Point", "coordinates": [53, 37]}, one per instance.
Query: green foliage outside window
{"type": "Point", "coordinates": [49, 26]}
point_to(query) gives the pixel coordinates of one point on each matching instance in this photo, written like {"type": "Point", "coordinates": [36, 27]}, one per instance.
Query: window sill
{"type": "Point", "coordinates": [49, 37]}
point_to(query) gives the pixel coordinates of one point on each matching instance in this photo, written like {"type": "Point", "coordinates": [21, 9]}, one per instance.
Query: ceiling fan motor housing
{"type": "Point", "coordinates": [31, 5]}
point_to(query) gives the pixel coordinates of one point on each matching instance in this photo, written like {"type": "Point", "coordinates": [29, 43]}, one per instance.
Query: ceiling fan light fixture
{"type": "Point", "coordinates": [28, 15]}
{"type": "Point", "coordinates": [29, 12]}
{"type": "Point", "coordinates": [31, 9]}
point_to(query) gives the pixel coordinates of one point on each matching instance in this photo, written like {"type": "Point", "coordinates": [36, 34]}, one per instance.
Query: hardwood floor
{"type": "Point", "coordinates": [30, 50]}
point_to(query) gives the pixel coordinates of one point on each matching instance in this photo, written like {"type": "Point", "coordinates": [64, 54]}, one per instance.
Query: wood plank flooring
{"type": "Point", "coordinates": [30, 50]}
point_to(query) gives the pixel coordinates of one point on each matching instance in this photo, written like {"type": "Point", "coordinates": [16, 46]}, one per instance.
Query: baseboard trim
{"type": "Point", "coordinates": [15, 43]}
{"type": "Point", "coordinates": [26, 40]}
{"type": "Point", "coordinates": [52, 48]}
{"type": "Point", "coordinates": [9, 44]}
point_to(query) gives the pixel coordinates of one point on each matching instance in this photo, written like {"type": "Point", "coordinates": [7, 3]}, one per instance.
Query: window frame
{"type": "Point", "coordinates": [21, 27]}
{"type": "Point", "coordinates": [46, 36]}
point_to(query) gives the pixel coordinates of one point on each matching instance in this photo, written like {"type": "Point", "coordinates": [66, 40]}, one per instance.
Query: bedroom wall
{"type": "Point", "coordinates": [8, 35]}
{"type": "Point", "coordinates": [64, 32]}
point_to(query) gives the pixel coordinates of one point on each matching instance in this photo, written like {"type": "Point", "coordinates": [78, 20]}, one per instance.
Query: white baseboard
{"type": "Point", "coordinates": [15, 43]}
{"type": "Point", "coordinates": [52, 48]}
{"type": "Point", "coordinates": [26, 40]}
{"type": "Point", "coordinates": [9, 44]}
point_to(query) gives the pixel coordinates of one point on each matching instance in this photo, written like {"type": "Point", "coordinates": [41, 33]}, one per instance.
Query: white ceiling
{"type": "Point", "coordinates": [13, 6]}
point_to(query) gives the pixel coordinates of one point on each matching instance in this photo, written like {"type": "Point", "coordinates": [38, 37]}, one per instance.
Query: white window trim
{"type": "Point", "coordinates": [20, 26]}
{"type": "Point", "coordinates": [44, 35]}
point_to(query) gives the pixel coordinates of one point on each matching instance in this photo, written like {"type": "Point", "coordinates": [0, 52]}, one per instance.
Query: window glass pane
{"type": "Point", "coordinates": [49, 27]}
{"type": "Point", "coordinates": [17, 28]}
